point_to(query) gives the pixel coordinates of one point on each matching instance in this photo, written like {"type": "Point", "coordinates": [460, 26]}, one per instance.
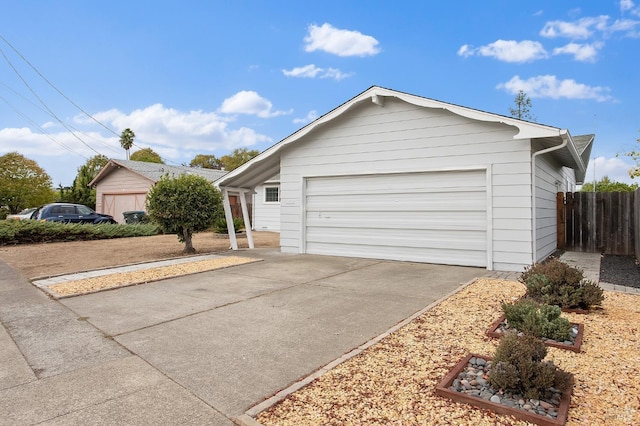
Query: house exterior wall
{"type": "Point", "coordinates": [266, 215]}
{"type": "Point", "coordinates": [120, 182]}
{"type": "Point", "coordinates": [403, 138]}
{"type": "Point", "coordinates": [551, 178]}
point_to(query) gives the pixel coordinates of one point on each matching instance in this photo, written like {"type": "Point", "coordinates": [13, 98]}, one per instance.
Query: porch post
{"type": "Point", "coordinates": [246, 218]}
{"type": "Point", "coordinates": [229, 217]}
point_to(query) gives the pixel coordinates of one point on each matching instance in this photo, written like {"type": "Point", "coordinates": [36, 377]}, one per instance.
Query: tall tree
{"type": "Point", "coordinates": [23, 183]}
{"type": "Point", "coordinates": [147, 155]}
{"type": "Point", "coordinates": [183, 205]}
{"type": "Point", "coordinates": [206, 162]}
{"type": "Point", "coordinates": [126, 140]}
{"type": "Point", "coordinates": [522, 110]}
{"type": "Point", "coordinates": [81, 193]}
{"type": "Point", "coordinates": [237, 158]}
{"type": "Point", "coordinates": [607, 185]}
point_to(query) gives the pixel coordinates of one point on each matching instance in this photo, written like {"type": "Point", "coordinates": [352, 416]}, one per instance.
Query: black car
{"type": "Point", "coordinates": [70, 213]}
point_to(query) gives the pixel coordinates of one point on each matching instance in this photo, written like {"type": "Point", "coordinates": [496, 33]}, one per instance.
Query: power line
{"type": "Point", "coordinates": [54, 87]}
{"type": "Point", "coordinates": [44, 104]}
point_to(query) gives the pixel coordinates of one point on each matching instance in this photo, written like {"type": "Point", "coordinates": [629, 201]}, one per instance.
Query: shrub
{"type": "Point", "coordinates": [542, 321]}
{"type": "Point", "coordinates": [32, 231]}
{"type": "Point", "coordinates": [518, 367]}
{"type": "Point", "coordinates": [555, 283]}
{"type": "Point", "coordinates": [220, 225]}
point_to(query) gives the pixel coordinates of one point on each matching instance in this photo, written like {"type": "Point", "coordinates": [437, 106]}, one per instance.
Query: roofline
{"type": "Point", "coordinates": [106, 170]}
{"type": "Point", "coordinates": [376, 94]}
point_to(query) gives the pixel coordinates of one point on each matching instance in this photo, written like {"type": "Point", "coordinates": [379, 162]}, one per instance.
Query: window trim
{"type": "Point", "coordinates": [276, 187]}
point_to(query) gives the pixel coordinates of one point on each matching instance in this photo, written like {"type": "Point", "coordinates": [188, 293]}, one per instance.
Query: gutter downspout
{"type": "Point", "coordinates": [534, 232]}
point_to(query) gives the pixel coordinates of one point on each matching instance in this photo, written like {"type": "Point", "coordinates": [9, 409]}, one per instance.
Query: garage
{"type": "Point", "coordinates": [434, 217]}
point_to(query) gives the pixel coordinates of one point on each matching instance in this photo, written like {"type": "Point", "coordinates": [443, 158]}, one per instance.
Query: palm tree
{"type": "Point", "coordinates": [126, 140]}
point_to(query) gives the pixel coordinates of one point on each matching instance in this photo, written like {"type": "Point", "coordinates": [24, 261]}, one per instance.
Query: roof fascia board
{"type": "Point", "coordinates": [375, 94]}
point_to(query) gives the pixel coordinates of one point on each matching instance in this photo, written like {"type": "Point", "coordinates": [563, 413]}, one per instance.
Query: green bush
{"type": "Point", "coordinates": [542, 321]}
{"type": "Point", "coordinates": [518, 367]}
{"type": "Point", "coordinates": [32, 231]}
{"type": "Point", "coordinates": [220, 225]}
{"type": "Point", "coordinates": [555, 283]}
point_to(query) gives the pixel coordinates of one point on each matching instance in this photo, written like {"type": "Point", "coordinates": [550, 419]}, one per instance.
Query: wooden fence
{"type": "Point", "coordinates": [600, 222]}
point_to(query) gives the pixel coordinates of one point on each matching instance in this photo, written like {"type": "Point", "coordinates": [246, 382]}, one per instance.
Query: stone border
{"type": "Point", "coordinates": [443, 390]}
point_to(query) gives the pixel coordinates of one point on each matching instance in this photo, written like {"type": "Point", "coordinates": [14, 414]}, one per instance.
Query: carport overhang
{"type": "Point", "coordinates": [245, 178]}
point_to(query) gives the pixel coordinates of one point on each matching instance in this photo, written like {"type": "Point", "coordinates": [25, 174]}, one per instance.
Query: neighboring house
{"type": "Point", "coordinates": [266, 206]}
{"type": "Point", "coordinates": [122, 185]}
{"type": "Point", "coordinates": [391, 175]}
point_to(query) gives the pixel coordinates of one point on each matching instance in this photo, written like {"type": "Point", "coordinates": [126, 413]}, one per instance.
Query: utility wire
{"type": "Point", "coordinates": [54, 87]}
{"type": "Point", "coordinates": [44, 104]}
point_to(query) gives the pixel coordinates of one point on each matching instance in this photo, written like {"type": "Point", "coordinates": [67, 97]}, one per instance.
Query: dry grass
{"type": "Point", "coordinates": [393, 382]}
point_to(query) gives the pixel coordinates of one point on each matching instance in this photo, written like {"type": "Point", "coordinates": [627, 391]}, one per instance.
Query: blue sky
{"type": "Point", "coordinates": [205, 77]}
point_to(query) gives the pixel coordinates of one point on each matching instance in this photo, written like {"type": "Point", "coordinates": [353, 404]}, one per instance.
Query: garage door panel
{"type": "Point", "coordinates": [428, 217]}
{"type": "Point", "coordinates": [406, 220]}
{"type": "Point", "coordinates": [472, 240]}
{"type": "Point", "coordinates": [408, 254]}
{"type": "Point", "coordinates": [438, 182]}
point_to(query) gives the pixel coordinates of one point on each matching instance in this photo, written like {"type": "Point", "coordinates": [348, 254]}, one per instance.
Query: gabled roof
{"type": "Point", "coordinates": [267, 164]}
{"type": "Point", "coordinates": [155, 171]}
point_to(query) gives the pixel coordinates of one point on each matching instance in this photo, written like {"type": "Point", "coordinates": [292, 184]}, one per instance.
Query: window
{"type": "Point", "coordinates": [272, 194]}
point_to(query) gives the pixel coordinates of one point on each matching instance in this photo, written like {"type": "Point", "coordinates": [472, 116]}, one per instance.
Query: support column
{"type": "Point", "coordinates": [246, 218]}
{"type": "Point", "coordinates": [229, 217]}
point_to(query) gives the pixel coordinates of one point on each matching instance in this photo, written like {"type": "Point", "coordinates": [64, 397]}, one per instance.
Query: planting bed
{"type": "Point", "coordinates": [499, 327]}
{"type": "Point", "coordinates": [467, 382]}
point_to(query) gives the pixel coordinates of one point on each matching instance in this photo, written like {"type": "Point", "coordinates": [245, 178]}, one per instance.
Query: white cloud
{"type": "Point", "coordinates": [507, 50]}
{"type": "Point", "coordinates": [580, 52]}
{"type": "Point", "coordinates": [615, 168]}
{"type": "Point", "coordinates": [250, 103]}
{"type": "Point", "coordinates": [626, 5]}
{"type": "Point", "coordinates": [549, 86]}
{"type": "Point", "coordinates": [312, 71]}
{"type": "Point", "coordinates": [581, 29]}
{"type": "Point", "coordinates": [340, 42]}
{"type": "Point", "coordinates": [587, 27]}
{"type": "Point", "coordinates": [308, 119]}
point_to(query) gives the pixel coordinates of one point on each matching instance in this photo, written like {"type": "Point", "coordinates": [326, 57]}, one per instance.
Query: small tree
{"type": "Point", "coordinates": [237, 158]}
{"type": "Point", "coordinates": [522, 110]}
{"type": "Point", "coordinates": [147, 155]}
{"type": "Point", "coordinates": [183, 205]}
{"type": "Point", "coordinates": [126, 140]}
{"type": "Point", "coordinates": [23, 183]}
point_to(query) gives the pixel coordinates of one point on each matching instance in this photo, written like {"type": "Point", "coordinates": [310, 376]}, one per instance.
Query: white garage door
{"type": "Point", "coordinates": [434, 217]}
{"type": "Point", "coordinates": [115, 204]}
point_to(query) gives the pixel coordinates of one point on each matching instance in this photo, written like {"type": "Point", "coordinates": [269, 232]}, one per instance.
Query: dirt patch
{"type": "Point", "coordinates": [50, 259]}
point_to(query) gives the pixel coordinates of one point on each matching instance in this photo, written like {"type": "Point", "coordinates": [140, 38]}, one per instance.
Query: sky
{"type": "Point", "coordinates": [205, 77]}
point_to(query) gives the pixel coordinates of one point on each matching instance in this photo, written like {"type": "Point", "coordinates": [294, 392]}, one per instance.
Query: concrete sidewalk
{"type": "Point", "coordinates": [201, 349]}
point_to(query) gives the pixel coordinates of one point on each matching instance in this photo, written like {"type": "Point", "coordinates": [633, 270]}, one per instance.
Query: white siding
{"type": "Point", "coordinates": [403, 138]}
{"type": "Point", "coordinates": [266, 215]}
{"type": "Point", "coordinates": [550, 179]}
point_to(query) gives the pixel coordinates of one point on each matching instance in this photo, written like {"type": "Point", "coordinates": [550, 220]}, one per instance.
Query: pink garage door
{"type": "Point", "coordinates": [115, 204]}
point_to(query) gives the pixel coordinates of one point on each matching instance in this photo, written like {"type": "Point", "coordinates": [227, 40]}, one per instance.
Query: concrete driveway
{"type": "Point", "coordinates": [200, 349]}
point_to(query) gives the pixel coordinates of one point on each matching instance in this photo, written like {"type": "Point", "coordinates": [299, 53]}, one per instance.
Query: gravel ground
{"type": "Point", "coordinates": [620, 270]}
{"type": "Point", "coordinates": [393, 382]}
